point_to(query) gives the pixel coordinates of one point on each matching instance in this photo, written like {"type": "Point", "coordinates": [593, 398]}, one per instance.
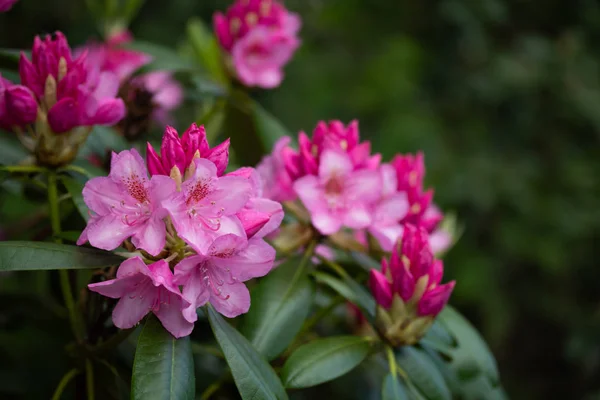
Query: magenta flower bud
{"type": "Point", "coordinates": [220, 156]}
{"type": "Point", "coordinates": [381, 288]}
{"type": "Point", "coordinates": [6, 5]}
{"type": "Point", "coordinates": [433, 301]}
{"type": "Point", "coordinates": [416, 296]}
{"type": "Point", "coordinates": [252, 220]}
{"type": "Point", "coordinates": [410, 170]}
{"type": "Point", "coordinates": [261, 37]}
{"type": "Point", "coordinates": [17, 105]}
{"type": "Point", "coordinates": [154, 163]}
{"type": "Point", "coordinates": [180, 152]}
{"type": "Point", "coordinates": [172, 152]}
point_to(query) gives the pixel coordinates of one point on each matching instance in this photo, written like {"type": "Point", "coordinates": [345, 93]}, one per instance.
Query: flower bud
{"type": "Point", "coordinates": [180, 152]}
{"type": "Point", "coordinates": [252, 220]}
{"type": "Point", "coordinates": [17, 105]}
{"type": "Point", "coordinates": [408, 290]}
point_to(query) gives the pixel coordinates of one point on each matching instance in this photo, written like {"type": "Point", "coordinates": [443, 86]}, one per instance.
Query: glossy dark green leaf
{"type": "Point", "coordinates": [75, 190]}
{"type": "Point", "coordinates": [393, 389]}
{"type": "Point", "coordinates": [253, 376]}
{"type": "Point", "coordinates": [164, 366]}
{"type": "Point", "coordinates": [324, 360]}
{"type": "Point", "coordinates": [423, 373]}
{"type": "Point", "coordinates": [471, 353]}
{"type": "Point", "coordinates": [351, 291]}
{"type": "Point", "coordinates": [280, 304]}
{"type": "Point", "coordinates": [27, 256]}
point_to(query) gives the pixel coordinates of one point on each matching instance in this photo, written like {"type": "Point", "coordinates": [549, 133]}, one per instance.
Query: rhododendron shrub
{"type": "Point", "coordinates": [178, 263]}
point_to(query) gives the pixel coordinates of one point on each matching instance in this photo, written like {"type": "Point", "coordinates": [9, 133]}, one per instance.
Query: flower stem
{"type": "Point", "coordinates": [64, 274]}
{"type": "Point", "coordinates": [64, 382]}
{"type": "Point", "coordinates": [89, 379]}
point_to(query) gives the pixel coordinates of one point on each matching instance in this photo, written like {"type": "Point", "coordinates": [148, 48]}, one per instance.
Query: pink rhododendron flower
{"type": "Point", "coordinates": [127, 204]}
{"type": "Point", "coordinates": [112, 56]}
{"type": "Point", "coordinates": [277, 182]}
{"type": "Point", "coordinates": [71, 93]}
{"type": "Point", "coordinates": [18, 106]}
{"type": "Point", "coordinates": [389, 210]}
{"type": "Point", "coordinates": [261, 36]}
{"type": "Point", "coordinates": [6, 5]}
{"type": "Point", "coordinates": [260, 216]}
{"type": "Point", "coordinates": [339, 196]}
{"type": "Point", "coordinates": [142, 289]}
{"type": "Point", "coordinates": [410, 171]}
{"type": "Point", "coordinates": [179, 152]}
{"type": "Point", "coordinates": [413, 274]}
{"type": "Point", "coordinates": [216, 275]}
{"type": "Point", "coordinates": [206, 206]}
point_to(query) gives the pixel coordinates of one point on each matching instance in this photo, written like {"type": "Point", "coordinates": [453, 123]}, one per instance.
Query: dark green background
{"type": "Point", "coordinates": [504, 98]}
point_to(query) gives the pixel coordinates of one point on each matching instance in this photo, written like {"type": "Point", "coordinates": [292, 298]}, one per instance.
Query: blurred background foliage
{"type": "Point", "coordinates": [503, 96]}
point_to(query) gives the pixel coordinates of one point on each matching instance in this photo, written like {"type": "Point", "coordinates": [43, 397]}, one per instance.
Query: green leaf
{"type": "Point", "coordinates": [163, 58]}
{"type": "Point", "coordinates": [324, 360]}
{"type": "Point", "coordinates": [393, 389]}
{"type": "Point", "coordinates": [103, 139]}
{"type": "Point", "coordinates": [269, 129]}
{"type": "Point", "coordinates": [207, 50]}
{"type": "Point", "coordinates": [27, 256]}
{"type": "Point", "coordinates": [280, 304]}
{"type": "Point", "coordinates": [163, 367]}
{"type": "Point", "coordinates": [351, 291]}
{"type": "Point", "coordinates": [75, 189]}
{"type": "Point", "coordinates": [253, 376]}
{"type": "Point", "coordinates": [471, 353]}
{"type": "Point", "coordinates": [423, 373]}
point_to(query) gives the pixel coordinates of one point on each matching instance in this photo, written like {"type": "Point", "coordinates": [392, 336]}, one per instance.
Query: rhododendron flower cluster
{"type": "Point", "coordinates": [60, 98]}
{"type": "Point", "coordinates": [260, 37]}
{"type": "Point", "coordinates": [343, 186]}
{"type": "Point", "coordinates": [204, 227]}
{"type": "Point", "coordinates": [164, 92]}
{"type": "Point", "coordinates": [6, 5]}
{"type": "Point", "coordinates": [408, 290]}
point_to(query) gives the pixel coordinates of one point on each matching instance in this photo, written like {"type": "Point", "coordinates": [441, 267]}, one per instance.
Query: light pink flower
{"type": "Point", "coordinates": [389, 210]}
{"type": "Point", "coordinates": [18, 106]}
{"type": "Point", "coordinates": [216, 275]}
{"type": "Point", "coordinates": [142, 289]}
{"type": "Point", "coordinates": [261, 36]}
{"type": "Point", "coordinates": [127, 204]}
{"type": "Point", "coordinates": [277, 182]}
{"type": "Point", "coordinates": [82, 97]}
{"type": "Point", "coordinates": [6, 5]}
{"type": "Point", "coordinates": [260, 55]}
{"type": "Point", "coordinates": [179, 152]}
{"type": "Point", "coordinates": [260, 216]}
{"type": "Point", "coordinates": [339, 196]}
{"type": "Point", "coordinates": [206, 206]}
{"type": "Point", "coordinates": [112, 56]}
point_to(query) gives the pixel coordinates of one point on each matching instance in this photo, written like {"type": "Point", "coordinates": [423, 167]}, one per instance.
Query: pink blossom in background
{"type": "Point", "coordinates": [18, 106]}
{"type": "Point", "coordinates": [112, 56]}
{"type": "Point", "coordinates": [261, 36]}
{"type": "Point", "coordinates": [206, 206]}
{"type": "Point", "coordinates": [339, 196]}
{"type": "Point", "coordinates": [67, 89]}
{"type": "Point", "coordinates": [277, 181]}
{"type": "Point", "coordinates": [6, 5]}
{"type": "Point", "coordinates": [413, 274]}
{"type": "Point", "coordinates": [179, 152]}
{"type": "Point", "coordinates": [127, 204]}
{"type": "Point", "coordinates": [260, 216]}
{"type": "Point", "coordinates": [216, 275]}
{"type": "Point", "coordinates": [143, 288]}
